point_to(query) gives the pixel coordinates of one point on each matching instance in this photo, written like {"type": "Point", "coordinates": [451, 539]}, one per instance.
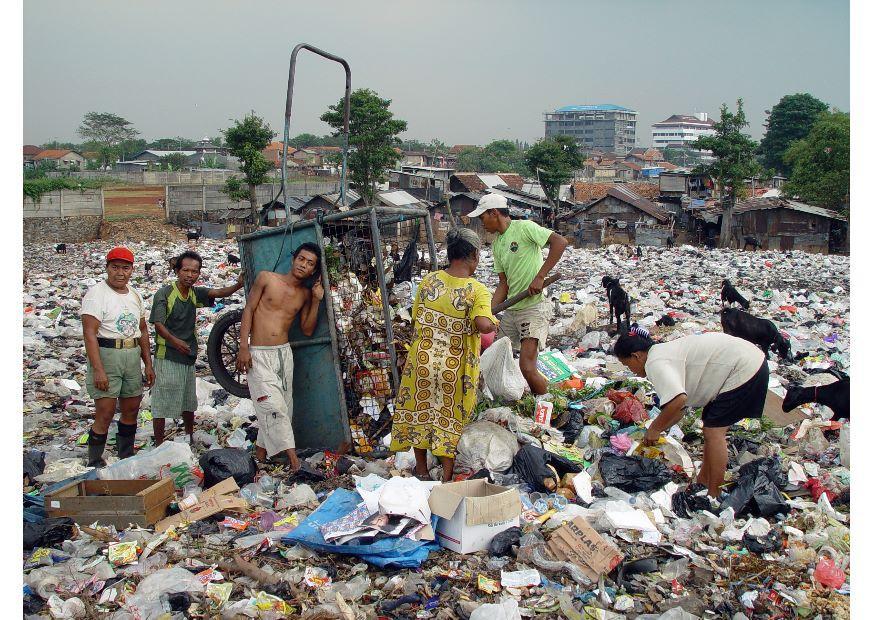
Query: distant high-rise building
{"type": "Point", "coordinates": [680, 130]}
{"type": "Point", "coordinates": [605, 127]}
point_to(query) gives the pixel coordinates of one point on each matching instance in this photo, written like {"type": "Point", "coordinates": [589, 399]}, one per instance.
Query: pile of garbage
{"type": "Point", "coordinates": [556, 509]}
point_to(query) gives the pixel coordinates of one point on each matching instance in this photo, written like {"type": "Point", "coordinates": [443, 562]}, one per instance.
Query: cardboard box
{"type": "Point", "coordinates": [210, 502]}
{"type": "Point", "coordinates": [579, 543]}
{"type": "Point", "coordinates": [472, 512]}
{"type": "Point", "coordinates": [112, 502]}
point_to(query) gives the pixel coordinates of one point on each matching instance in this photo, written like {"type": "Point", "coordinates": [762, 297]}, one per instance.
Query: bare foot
{"type": "Point", "coordinates": [294, 463]}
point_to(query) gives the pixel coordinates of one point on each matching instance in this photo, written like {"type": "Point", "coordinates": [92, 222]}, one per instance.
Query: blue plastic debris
{"type": "Point", "coordinates": [385, 552]}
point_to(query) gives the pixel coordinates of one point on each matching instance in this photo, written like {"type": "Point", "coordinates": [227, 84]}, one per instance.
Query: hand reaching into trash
{"type": "Point", "coordinates": [651, 437]}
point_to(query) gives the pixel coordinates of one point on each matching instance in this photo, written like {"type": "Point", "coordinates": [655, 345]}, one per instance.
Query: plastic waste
{"type": "Point", "coordinates": [48, 533]}
{"type": "Point", "coordinates": [146, 601]}
{"type": "Point", "coordinates": [630, 411]}
{"type": "Point", "coordinates": [507, 609]}
{"type": "Point", "coordinates": [501, 372]}
{"type": "Point", "coordinates": [34, 464]}
{"type": "Point", "coordinates": [633, 473]}
{"type": "Point", "coordinates": [237, 439]}
{"type": "Point", "coordinates": [828, 574]}
{"type": "Point", "coordinates": [64, 610]}
{"type": "Point", "coordinates": [486, 445]}
{"type": "Point", "coordinates": [170, 459]}
{"type": "Point", "coordinates": [758, 489]}
{"type": "Point", "coordinates": [224, 463]}
{"type": "Point", "coordinates": [541, 469]}
{"type": "Point", "coordinates": [501, 543]}
{"type": "Point", "coordinates": [252, 494]}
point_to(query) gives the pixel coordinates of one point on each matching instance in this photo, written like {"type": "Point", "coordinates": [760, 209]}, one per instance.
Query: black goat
{"type": "Point", "coordinates": [618, 301]}
{"type": "Point", "coordinates": [729, 295]}
{"type": "Point", "coordinates": [666, 321]}
{"type": "Point", "coordinates": [761, 332]}
{"type": "Point", "coordinates": [61, 248]}
{"type": "Point", "coordinates": [752, 241]}
{"type": "Point", "coordinates": [193, 235]}
{"type": "Point", "coordinates": [233, 260]}
{"type": "Point", "coordinates": [147, 268]}
{"type": "Point", "coordinates": [836, 396]}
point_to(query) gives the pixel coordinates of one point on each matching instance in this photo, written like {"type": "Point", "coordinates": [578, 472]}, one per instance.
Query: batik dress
{"type": "Point", "coordinates": [439, 382]}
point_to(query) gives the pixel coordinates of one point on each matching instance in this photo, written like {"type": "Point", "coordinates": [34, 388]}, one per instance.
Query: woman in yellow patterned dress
{"type": "Point", "coordinates": [439, 383]}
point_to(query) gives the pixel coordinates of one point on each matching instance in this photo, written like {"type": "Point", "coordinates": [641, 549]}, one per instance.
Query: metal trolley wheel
{"type": "Point", "coordinates": [222, 347]}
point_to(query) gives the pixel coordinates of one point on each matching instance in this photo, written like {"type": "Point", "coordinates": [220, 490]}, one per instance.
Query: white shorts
{"type": "Point", "coordinates": [270, 388]}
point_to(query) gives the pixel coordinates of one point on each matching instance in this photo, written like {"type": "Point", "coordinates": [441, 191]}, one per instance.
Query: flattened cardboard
{"type": "Point", "coordinates": [472, 512]}
{"type": "Point", "coordinates": [212, 501]}
{"type": "Point", "coordinates": [578, 542]}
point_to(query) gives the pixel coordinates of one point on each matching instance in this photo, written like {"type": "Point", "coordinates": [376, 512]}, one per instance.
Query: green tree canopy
{"type": "Point", "coordinates": [245, 141]}
{"type": "Point", "coordinates": [303, 140]}
{"type": "Point", "coordinates": [373, 137]}
{"type": "Point", "coordinates": [171, 144]}
{"type": "Point", "coordinates": [821, 163]}
{"type": "Point", "coordinates": [553, 162]}
{"type": "Point", "coordinates": [790, 120]}
{"type": "Point", "coordinates": [734, 161]}
{"type": "Point", "coordinates": [173, 161]}
{"type": "Point", "coordinates": [107, 129]}
{"type": "Point", "coordinates": [497, 156]}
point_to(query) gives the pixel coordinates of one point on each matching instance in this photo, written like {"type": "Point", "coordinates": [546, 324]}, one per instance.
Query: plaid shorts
{"type": "Point", "coordinates": [174, 389]}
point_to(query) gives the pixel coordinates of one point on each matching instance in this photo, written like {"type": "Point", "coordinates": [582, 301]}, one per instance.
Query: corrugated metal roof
{"type": "Point", "coordinates": [399, 198]}
{"type": "Point", "coordinates": [599, 107]}
{"type": "Point", "coordinates": [767, 203]}
{"type": "Point", "coordinates": [622, 192]}
{"type": "Point", "coordinates": [491, 180]}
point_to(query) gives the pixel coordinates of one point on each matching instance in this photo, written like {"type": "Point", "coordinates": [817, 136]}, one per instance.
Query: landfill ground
{"type": "Point", "coordinates": [783, 553]}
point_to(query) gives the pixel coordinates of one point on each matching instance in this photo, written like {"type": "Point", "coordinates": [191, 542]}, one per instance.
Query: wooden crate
{"type": "Point", "coordinates": [112, 502]}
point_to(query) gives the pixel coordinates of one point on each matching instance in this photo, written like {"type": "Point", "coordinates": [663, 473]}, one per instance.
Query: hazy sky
{"type": "Point", "coordinates": [462, 71]}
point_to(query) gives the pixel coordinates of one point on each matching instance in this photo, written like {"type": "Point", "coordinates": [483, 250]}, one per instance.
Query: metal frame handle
{"type": "Point", "coordinates": [290, 92]}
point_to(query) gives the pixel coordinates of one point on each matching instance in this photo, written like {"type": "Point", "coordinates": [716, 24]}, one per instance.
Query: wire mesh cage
{"type": "Point", "coordinates": [375, 258]}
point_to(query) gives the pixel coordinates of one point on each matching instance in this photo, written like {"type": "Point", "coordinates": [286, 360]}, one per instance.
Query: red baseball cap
{"type": "Point", "coordinates": [120, 253]}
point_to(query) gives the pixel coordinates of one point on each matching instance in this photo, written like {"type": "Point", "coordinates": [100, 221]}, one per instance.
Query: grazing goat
{"type": "Point", "coordinates": [193, 235]}
{"type": "Point", "coordinates": [233, 260]}
{"type": "Point", "coordinates": [761, 332]}
{"type": "Point", "coordinates": [836, 396]}
{"type": "Point", "coordinates": [752, 241]}
{"type": "Point", "coordinates": [729, 295]}
{"type": "Point", "coordinates": [618, 301]}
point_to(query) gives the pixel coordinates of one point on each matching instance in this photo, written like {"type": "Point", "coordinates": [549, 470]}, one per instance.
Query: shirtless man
{"type": "Point", "coordinates": [274, 302]}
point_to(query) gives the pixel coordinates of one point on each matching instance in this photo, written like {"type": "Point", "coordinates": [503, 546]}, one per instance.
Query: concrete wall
{"type": "Point", "coordinates": [63, 216]}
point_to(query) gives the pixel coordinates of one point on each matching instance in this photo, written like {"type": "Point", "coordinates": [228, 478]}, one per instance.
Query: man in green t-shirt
{"type": "Point", "coordinates": [174, 310]}
{"type": "Point", "coordinates": [520, 266]}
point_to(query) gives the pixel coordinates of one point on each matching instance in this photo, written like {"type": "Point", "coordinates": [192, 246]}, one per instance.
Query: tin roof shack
{"type": "Point", "coordinates": [481, 181]}
{"type": "Point", "coordinates": [782, 224]}
{"type": "Point", "coordinates": [616, 218]}
{"type": "Point", "coordinates": [674, 186]}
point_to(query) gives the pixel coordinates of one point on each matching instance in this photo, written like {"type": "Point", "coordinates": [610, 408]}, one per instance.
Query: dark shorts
{"type": "Point", "coordinates": [745, 401]}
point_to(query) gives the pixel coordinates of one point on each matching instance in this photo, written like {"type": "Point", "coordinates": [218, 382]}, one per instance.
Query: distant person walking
{"type": "Point", "coordinates": [520, 266]}
{"type": "Point", "coordinates": [174, 311]}
{"type": "Point", "coordinates": [116, 340]}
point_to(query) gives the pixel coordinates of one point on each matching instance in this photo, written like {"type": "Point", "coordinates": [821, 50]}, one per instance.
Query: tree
{"type": "Point", "coordinates": [245, 141]}
{"type": "Point", "coordinates": [373, 136]}
{"type": "Point", "coordinates": [790, 120]}
{"type": "Point", "coordinates": [553, 161]}
{"type": "Point", "coordinates": [210, 162]}
{"type": "Point", "coordinates": [734, 161]}
{"type": "Point", "coordinates": [171, 144]}
{"type": "Point", "coordinates": [109, 130]}
{"type": "Point", "coordinates": [218, 141]}
{"type": "Point", "coordinates": [497, 156]}
{"type": "Point", "coordinates": [173, 161]}
{"type": "Point", "coordinates": [468, 159]}
{"type": "Point", "coordinates": [685, 157]}
{"type": "Point", "coordinates": [304, 139]}
{"type": "Point", "coordinates": [820, 163]}
{"type": "Point", "coordinates": [54, 144]}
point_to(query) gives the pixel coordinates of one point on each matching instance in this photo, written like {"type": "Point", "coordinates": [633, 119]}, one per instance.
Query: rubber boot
{"type": "Point", "coordinates": [96, 446]}
{"type": "Point", "coordinates": [124, 439]}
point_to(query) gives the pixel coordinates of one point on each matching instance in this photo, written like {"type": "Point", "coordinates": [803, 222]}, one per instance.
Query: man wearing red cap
{"type": "Point", "coordinates": [116, 339]}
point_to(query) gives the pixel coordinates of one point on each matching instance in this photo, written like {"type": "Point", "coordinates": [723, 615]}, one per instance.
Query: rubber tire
{"type": "Point", "coordinates": [214, 354]}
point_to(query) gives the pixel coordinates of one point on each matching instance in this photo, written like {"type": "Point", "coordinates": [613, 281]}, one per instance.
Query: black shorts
{"type": "Point", "coordinates": [745, 401]}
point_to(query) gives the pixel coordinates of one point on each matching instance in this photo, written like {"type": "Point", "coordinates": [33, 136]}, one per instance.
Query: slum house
{"type": "Point", "coordinates": [621, 216]}
{"type": "Point", "coordinates": [522, 206]}
{"type": "Point", "coordinates": [274, 213]}
{"type": "Point", "coordinates": [783, 224]}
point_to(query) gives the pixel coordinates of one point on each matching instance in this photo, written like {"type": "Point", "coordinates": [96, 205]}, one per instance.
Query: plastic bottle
{"type": "Point", "coordinates": [252, 495]}
{"type": "Point", "coordinates": [267, 484]}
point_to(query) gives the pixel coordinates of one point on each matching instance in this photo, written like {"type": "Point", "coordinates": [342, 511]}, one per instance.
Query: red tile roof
{"type": "Point", "coordinates": [30, 149]}
{"type": "Point", "coordinates": [51, 154]}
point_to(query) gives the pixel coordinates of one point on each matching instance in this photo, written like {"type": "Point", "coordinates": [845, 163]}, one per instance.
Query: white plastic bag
{"type": "Point", "coordinates": [486, 445]}
{"type": "Point", "coordinates": [845, 444]}
{"type": "Point", "coordinates": [507, 609]}
{"type": "Point", "coordinates": [169, 460]}
{"type": "Point", "coordinates": [501, 372]}
{"type": "Point", "coordinates": [145, 603]}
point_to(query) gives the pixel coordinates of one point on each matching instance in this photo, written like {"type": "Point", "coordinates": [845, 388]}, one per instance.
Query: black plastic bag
{"type": "Point", "coordinates": [685, 503]}
{"type": "Point", "coordinates": [758, 490]}
{"type": "Point", "coordinates": [34, 464]}
{"type": "Point", "coordinates": [224, 463]}
{"type": "Point", "coordinates": [572, 429]}
{"type": "Point", "coordinates": [502, 542]}
{"type": "Point", "coordinates": [533, 465]}
{"type": "Point", "coordinates": [767, 544]}
{"type": "Point", "coordinates": [48, 533]}
{"type": "Point", "coordinates": [403, 271]}
{"type": "Point", "coordinates": [632, 473]}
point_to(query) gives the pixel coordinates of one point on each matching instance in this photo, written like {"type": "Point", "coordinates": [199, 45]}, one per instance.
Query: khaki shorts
{"type": "Point", "coordinates": [531, 322]}
{"type": "Point", "coordinates": [122, 368]}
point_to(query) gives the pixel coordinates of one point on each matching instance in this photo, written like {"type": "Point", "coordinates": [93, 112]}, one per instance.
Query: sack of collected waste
{"type": "Point", "coordinates": [501, 372]}
{"type": "Point", "coordinates": [486, 445]}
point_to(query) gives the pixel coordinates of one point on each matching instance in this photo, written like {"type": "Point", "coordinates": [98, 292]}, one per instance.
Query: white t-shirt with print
{"type": "Point", "coordinates": [701, 366]}
{"type": "Point", "coordinates": [119, 313]}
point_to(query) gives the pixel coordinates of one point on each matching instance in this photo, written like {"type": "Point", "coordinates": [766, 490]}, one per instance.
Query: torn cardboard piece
{"type": "Point", "coordinates": [579, 543]}
{"type": "Point", "coordinates": [211, 501]}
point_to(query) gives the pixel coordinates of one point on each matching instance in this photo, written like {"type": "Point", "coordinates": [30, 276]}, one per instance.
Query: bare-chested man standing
{"type": "Point", "coordinates": [274, 302]}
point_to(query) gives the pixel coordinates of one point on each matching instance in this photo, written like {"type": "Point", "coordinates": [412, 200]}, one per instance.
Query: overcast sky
{"type": "Point", "coordinates": [464, 71]}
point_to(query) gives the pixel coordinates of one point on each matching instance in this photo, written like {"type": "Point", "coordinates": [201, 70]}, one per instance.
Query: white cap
{"type": "Point", "coordinates": [489, 201]}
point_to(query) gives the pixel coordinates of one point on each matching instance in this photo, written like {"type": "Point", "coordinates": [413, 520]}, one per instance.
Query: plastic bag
{"type": "Point", "coordinates": [34, 464]}
{"type": "Point", "coordinates": [486, 445]}
{"type": "Point", "coordinates": [767, 544]}
{"type": "Point", "coordinates": [573, 427]}
{"type": "Point", "coordinates": [541, 469]}
{"type": "Point", "coordinates": [224, 463]}
{"type": "Point", "coordinates": [828, 574]}
{"type": "Point", "coordinates": [501, 543]}
{"type": "Point", "coordinates": [48, 533]}
{"type": "Point", "coordinates": [633, 473]}
{"type": "Point", "coordinates": [845, 445]}
{"type": "Point", "coordinates": [758, 490]}
{"type": "Point", "coordinates": [501, 372]}
{"type": "Point", "coordinates": [685, 503]}
{"type": "Point", "coordinates": [145, 603]}
{"type": "Point", "coordinates": [507, 609]}
{"type": "Point", "coordinates": [630, 411]}
{"type": "Point", "coordinates": [169, 460]}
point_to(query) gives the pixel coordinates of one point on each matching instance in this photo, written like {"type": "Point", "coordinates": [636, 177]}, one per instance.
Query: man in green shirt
{"type": "Point", "coordinates": [174, 310]}
{"type": "Point", "coordinates": [520, 266]}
